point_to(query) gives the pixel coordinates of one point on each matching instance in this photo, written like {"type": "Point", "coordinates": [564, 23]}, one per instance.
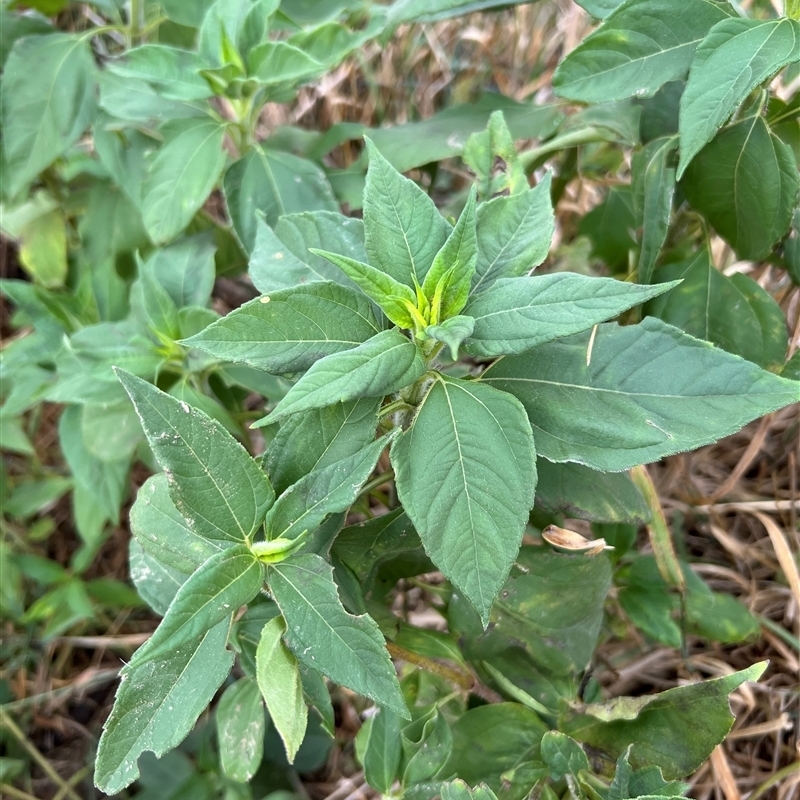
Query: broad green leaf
{"type": "Point", "coordinates": [734, 313]}
{"type": "Point", "coordinates": [552, 607]}
{"type": "Point", "coordinates": [600, 9]}
{"type": "Point", "coordinates": [675, 730]}
{"type": "Point", "coordinates": [217, 589]}
{"type": "Point", "coordinates": [279, 680]}
{"type": "Point", "coordinates": [241, 725]}
{"type": "Point", "coordinates": [466, 476]}
{"type": "Point", "coordinates": [491, 155]}
{"type": "Point", "coordinates": [445, 133]}
{"type": "Point", "coordinates": [653, 179]}
{"type": "Point", "coordinates": [448, 281]}
{"type": "Point", "coordinates": [609, 226]}
{"type": "Point", "coordinates": [186, 269]}
{"type": "Point", "coordinates": [137, 101]}
{"type": "Point", "coordinates": [452, 332]}
{"type": "Point", "coordinates": [274, 63]}
{"type": "Point", "coordinates": [281, 258]}
{"type": "Point", "coordinates": [111, 432]}
{"type": "Point", "coordinates": [107, 480]}
{"type": "Point", "coordinates": [163, 533]}
{"type": "Point", "coordinates": [181, 177]}
{"type": "Point", "coordinates": [563, 755]}
{"type": "Point", "coordinates": [518, 314]}
{"type": "Point", "coordinates": [629, 783]}
{"type": "Point", "coordinates": [392, 296]}
{"type": "Point", "coordinates": [124, 154]}
{"type": "Point", "coordinates": [14, 27]}
{"type": "Point", "coordinates": [111, 225]}
{"type": "Point", "coordinates": [345, 648]}
{"type": "Point", "coordinates": [219, 32]}
{"type": "Point", "coordinates": [318, 438]}
{"type": "Point", "coordinates": [273, 183]}
{"type": "Point", "coordinates": [381, 751]}
{"type": "Point", "coordinates": [329, 490]}
{"type": "Point", "coordinates": [331, 42]}
{"type": "Point", "coordinates": [514, 235]}
{"type": "Point", "coordinates": [640, 46]}
{"type": "Point", "coordinates": [227, 503]}
{"type": "Point", "coordinates": [13, 436]}
{"type": "Point", "coordinates": [30, 497]}
{"type": "Point", "coordinates": [45, 110]}
{"type": "Point", "coordinates": [404, 229]}
{"type": "Point", "coordinates": [256, 25]}
{"type": "Point", "coordinates": [735, 57]}
{"type": "Point", "coordinates": [291, 329]}
{"type": "Point", "coordinates": [156, 583]}
{"type": "Point", "coordinates": [151, 303]}
{"type": "Point", "coordinates": [43, 249]}
{"type": "Point", "coordinates": [427, 743]}
{"type": "Point", "coordinates": [383, 364]}
{"type": "Point", "coordinates": [649, 391]}
{"type": "Point", "coordinates": [492, 739]}
{"type": "Point", "coordinates": [577, 491]}
{"type": "Point", "coordinates": [173, 73]}
{"type": "Point", "coordinates": [157, 705]}
{"type": "Point", "coordinates": [187, 12]}
{"type": "Point", "coordinates": [366, 546]}
{"type": "Point", "coordinates": [745, 183]}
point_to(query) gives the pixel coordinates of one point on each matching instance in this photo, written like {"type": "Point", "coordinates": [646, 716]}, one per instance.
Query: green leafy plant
{"type": "Point", "coordinates": [372, 334]}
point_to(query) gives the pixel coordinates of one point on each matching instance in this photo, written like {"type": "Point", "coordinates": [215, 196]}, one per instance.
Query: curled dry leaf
{"type": "Point", "coordinates": [569, 540]}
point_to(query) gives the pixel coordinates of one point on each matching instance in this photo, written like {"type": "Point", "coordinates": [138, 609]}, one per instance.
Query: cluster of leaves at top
{"type": "Point", "coordinates": [364, 329]}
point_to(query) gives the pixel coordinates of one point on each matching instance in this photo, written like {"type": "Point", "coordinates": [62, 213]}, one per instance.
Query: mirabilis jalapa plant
{"type": "Point", "coordinates": [365, 331]}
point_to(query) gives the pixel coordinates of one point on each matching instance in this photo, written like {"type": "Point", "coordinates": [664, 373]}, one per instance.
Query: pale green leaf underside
{"type": "Point", "coordinates": [162, 531]}
{"type": "Point", "coordinates": [345, 648]}
{"type": "Point", "coordinates": [241, 725]}
{"type": "Point", "coordinates": [212, 593]}
{"type": "Point", "coordinates": [518, 314]}
{"type": "Point", "coordinates": [289, 330]}
{"type": "Point", "coordinates": [213, 481]}
{"type": "Point", "coordinates": [736, 56]}
{"type": "Point", "coordinates": [640, 46]}
{"type": "Point", "coordinates": [48, 100]}
{"type": "Point", "coordinates": [384, 364]}
{"type": "Point", "coordinates": [278, 676]}
{"type": "Point", "coordinates": [157, 705]}
{"type": "Point", "coordinates": [466, 476]}
{"type": "Point", "coordinates": [648, 391]}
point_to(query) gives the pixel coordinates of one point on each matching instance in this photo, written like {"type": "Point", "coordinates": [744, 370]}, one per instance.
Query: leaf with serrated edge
{"type": "Point", "coordinates": [278, 675]}
{"type": "Point", "coordinates": [404, 229]}
{"type": "Point", "coordinates": [345, 648]}
{"type": "Point", "coordinates": [157, 705]}
{"type": "Point", "coordinates": [736, 56]}
{"type": "Point", "coordinates": [648, 391]}
{"type": "Point", "coordinates": [318, 438]}
{"type": "Point", "coordinates": [452, 332]}
{"type": "Point", "coordinates": [639, 47]}
{"type": "Point", "coordinates": [458, 257]}
{"type": "Point", "coordinates": [289, 330]}
{"type": "Point", "coordinates": [227, 581]}
{"type": "Point", "coordinates": [388, 293]}
{"type": "Point", "coordinates": [228, 502]}
{"type": "Point", "coordinates": [384, 364]}
{"type": "Point", "coordinates": [518, 314]}
{"type": "Point", "coordinates": [303, 506]}
{"type": "Point", "coordinates": [514, 234]}
{"type": "Point", "coordinates": [466, 476]}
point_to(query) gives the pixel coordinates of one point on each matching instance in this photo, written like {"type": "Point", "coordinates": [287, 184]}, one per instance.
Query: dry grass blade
{"type": "Point", "coordinates": [723, 774]}
{"type": "Point", "coordinates": [782, 552]}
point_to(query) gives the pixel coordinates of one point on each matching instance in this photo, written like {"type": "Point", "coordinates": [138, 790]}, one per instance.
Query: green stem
{"type": "Point", "coordinates": [377, 481]}
{"type": "Point", "coordinates": [136, 21]}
